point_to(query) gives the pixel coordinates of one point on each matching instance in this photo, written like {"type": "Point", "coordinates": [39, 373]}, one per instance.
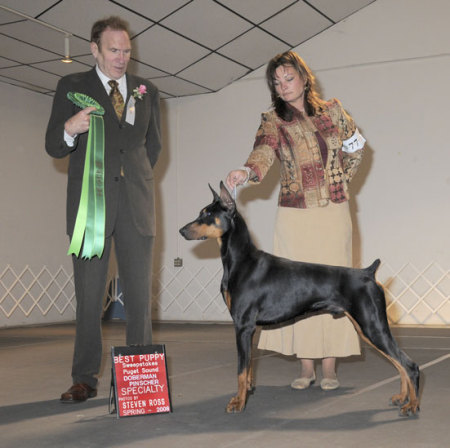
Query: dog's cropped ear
{"type": "Point", "coordinates": [215, 195]}
{"type": "Point", "coordinates": [226, 198]}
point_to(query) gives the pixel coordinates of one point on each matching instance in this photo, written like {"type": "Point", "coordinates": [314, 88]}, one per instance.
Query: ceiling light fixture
{"type": "Point", "coordinates": [67, 35]}
{"type": "Point", "coordinates": [67, 59]}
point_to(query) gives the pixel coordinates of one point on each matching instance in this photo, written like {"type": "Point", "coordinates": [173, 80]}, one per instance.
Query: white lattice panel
{"type": "Point", "coordinates": [27, 296]}
{"type": "Point", "coordinates": [182, 294]}
{"type": "Point", "coordinates": [415, 296]}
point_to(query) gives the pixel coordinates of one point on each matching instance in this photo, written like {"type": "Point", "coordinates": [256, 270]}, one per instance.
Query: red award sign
{"type": "Point", "coordinates": [141, 383]}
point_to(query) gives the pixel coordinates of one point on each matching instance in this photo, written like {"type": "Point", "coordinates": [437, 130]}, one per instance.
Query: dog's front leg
{"type": "Point", "coordinates": [237, 403]}
{"type": "Point", "coordinates": [244, 344]}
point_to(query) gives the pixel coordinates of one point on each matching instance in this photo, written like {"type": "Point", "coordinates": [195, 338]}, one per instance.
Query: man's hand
{"type": "Point", "coordinates": [79, 123]}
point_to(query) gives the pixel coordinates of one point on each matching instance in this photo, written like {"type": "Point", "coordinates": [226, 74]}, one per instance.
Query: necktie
{"type": "Point", "coordinates": [116, 98]}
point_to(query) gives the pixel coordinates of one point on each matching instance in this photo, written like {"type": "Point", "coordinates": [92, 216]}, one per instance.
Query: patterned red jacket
{"type": "Point", "coordinates": [319, 155]}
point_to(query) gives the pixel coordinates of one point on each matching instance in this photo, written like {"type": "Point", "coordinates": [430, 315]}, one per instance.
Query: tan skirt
{"type": "Point", "coordinates": [316, 235]}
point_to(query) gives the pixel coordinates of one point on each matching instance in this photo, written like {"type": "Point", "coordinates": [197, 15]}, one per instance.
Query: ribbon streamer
{"type": "Point", "coordinates": [90, 221]}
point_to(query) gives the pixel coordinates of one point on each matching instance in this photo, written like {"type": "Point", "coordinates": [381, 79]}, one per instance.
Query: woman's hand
{"type": "Point", "coordinates": [236, 178]}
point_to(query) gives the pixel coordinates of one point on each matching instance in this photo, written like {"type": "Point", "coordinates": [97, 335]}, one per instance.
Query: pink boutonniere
{"type": "Point", "coordinates": [140, 91]}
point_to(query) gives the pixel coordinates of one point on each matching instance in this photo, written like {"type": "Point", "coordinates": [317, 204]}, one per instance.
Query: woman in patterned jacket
{"type": "Point", "coordinates": [319, 149]}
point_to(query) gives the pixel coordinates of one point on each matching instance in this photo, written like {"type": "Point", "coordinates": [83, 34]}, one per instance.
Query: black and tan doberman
{"type": "Point", "coordinates": [261, 289]}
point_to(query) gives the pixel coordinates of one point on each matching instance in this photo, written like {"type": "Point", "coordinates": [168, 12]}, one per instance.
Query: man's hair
{"type": "Point", "coordinates": [114, 23]}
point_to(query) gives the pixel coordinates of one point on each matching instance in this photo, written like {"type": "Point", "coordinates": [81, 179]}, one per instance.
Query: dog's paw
{"type": "Point", "coordinates": [235, 405]}
{"type": "Point", "coordinates": [410, 409]}
{"type": "Point", "coordinates": [398, 400]}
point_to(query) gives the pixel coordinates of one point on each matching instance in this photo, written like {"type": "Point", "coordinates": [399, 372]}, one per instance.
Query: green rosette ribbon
{"type": "Point", "coordinates": [90, 221]}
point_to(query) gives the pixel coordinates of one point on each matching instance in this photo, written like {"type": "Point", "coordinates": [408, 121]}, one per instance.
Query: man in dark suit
{"type": "Point", "coordinates": [131, 148]}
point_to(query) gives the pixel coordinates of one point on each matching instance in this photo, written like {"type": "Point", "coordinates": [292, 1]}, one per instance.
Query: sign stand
{"type": "Point", "coordinates": [139, 381]}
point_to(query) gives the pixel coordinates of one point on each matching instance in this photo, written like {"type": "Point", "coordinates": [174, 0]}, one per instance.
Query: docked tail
{"type": "Point", "coordinates": [373, 267]}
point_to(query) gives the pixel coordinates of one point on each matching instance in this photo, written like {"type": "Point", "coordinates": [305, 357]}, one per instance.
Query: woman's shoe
{"type": "Point", "coordinates": [303, 382]}
{"type": "Point", "coordinates": [329, 383]}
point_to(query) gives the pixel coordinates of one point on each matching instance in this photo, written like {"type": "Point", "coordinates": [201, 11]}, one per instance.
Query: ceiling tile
{"type": "Point", "coordinates": [213, 72]}
{"type": "Point", "coordinates": [60, 68]}
{"type": "Point", "coordinates": [153, 9]}
{"type": "Point", "coordinates": [7, 63]}
{"type": "Point", "coordinates": [339, 10]}
{"type": "Point", "coordinates": [27, 7]}
{"type": "Point", "coordinates": [7, 17]}
{"type": "Point", "coordinates": [87, 59]}
{"type": "Point", "coordinates": [199, 21]}
{"type": "Point", "coordinates": [32, 76]}
{"type": "Point", "coordinates": [254, 48]}
{"type": "Point", "coordinates": [213, 42]}
{"type": "Point", "coordinates": [178, 87]}
{"type": "Point", "coordinates": [21, 52]}
{"type": "Point", "coordinates": [161, 48]}
{"type": "Point", "coordinates": [256, 10]}
{"type": "Point", "coordinates": [296, 24]}
{"type": "Point", "coordinates": [143, 70]}
{"type": "Point", "coordinates": [16, 82]}
{"type": "Point", "coordinates": [48, 39]}
{"type": "Point", "coordinates": [77, 16]}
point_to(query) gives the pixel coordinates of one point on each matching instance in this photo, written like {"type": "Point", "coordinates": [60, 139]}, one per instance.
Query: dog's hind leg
{"type": "Point", "coordinates": [244, 338]}
{"type": "Point", "coordinates": [378, 335]}
{"type": "Point", "coordinates": [250, 379]}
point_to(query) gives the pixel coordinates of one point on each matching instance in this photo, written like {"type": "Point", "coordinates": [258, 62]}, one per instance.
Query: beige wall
{"type": "Point", "coordinates": [34, 270]}
{"type": "Point", "coordinates": [388, 64]}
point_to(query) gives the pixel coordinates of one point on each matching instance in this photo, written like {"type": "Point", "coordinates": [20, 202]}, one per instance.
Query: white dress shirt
{"type": "Point", "coordinates": [122, 85]}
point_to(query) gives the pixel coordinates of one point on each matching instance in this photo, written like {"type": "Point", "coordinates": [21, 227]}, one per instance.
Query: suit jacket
{"type": "Point", "coordinates": [135, 148]}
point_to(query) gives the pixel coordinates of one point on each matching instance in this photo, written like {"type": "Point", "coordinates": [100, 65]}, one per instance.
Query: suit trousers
{"type": "Point", "coordinates": [134, 260]}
